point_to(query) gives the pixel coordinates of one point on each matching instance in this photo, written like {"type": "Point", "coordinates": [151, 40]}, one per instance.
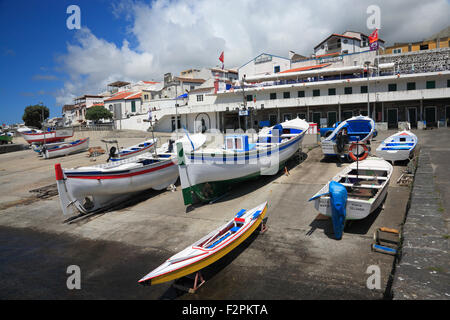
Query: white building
{"type": "Point", "coordinates": [264, 64]}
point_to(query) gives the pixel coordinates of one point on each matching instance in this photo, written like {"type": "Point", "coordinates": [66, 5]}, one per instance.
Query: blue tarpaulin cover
{"type": "Point", "coordinates": [338, 201]}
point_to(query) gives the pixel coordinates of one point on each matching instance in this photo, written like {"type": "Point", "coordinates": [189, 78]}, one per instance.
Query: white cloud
{"type": "Point", "coordinates": [176, 35]}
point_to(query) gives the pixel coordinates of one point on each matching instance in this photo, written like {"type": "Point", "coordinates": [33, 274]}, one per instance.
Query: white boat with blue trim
{"type": "Point", "coordinates": [62, 149]}
{"type": "Point", "coordinates": [358, 129]}
{"type": "Point", "coordinates": [398, 147]}
{"type": "Point", "coordinates": [210, 248]}
{"type": "Point", "coordinates": [126, 153]}
{"type": "Point", "coordinates": [207, 174]}
{"type": "Point", "coordinates": [93, 188]}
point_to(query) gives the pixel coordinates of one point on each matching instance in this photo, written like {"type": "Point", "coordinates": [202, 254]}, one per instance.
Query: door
{"type": "Point", "coordinates": [392, 116]}
{"type": "Point", "coordinates": [273, 119]}
{"type": "Point", "coordinates": [412, 117]}
{"type": "Point", "coordinates": [430, 116]}
{"type": "Point", "coordinates": [332, 118]}
{"type": "Point", "coordinates": [287, 116]}
{"type": "Point", "coordinates": [347, 115]}
{"type": "Point", "coordinates": [447, 115]}
{"type": "Point", "coordinates": [316, 118]}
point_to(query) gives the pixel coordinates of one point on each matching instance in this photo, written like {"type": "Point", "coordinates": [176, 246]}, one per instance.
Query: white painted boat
{"type": "Point", "coordinates": [137, 149]}
{"type": "Point", "coordinates": [397, 147]}
{"type": "Point", "coordinates": [360, 128]}
{"type": "Point", "coordinates": [208, 173]}
{"type": "Point", "coordinates": [93, 188]}
{"type": "Point", "coordinates": [210, 248]}
{"type": "Point", "coordinates": [38, 136]}
{"type": "Point", "coordinates": [39, 147]}
{"type": "Point", "coordinates": [366, 183]}
{"type": "Point", "coordinates": [66, 148]}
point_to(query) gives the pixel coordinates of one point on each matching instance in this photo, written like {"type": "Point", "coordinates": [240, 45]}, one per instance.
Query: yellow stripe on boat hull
{"type": "Point", "coordinates": [206, 262]}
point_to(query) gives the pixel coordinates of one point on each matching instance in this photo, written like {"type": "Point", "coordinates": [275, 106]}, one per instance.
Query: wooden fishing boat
{"type": "Point", "coordinates": [39, 136]}
{"type": "Point", "coordinates": [137, 149]}
{"type": "Point", "coordinates": [397, 147]}
{"type": "Point", "coordinates": [209, 173]}
{"type": "Point", "coordinates": [65, 148]}
{"type": "Point", "coordinates": [93, 188]}
{"type": "Point", "coordinates": [359, 129]}
{"type": "Point", "coordinates": [210, 248]}
{"type": "Point", "coordinates": [40, 147]}
{"type": "Point", "coordinates": [366, 183]}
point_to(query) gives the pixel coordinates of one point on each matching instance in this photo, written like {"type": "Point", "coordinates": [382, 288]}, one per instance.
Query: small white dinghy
{"type": "Point", "coordinates": [93, 188]}
{"type": "Point", "coordinates": [366, 183]}
{"type": "Point", "coordinates": [66, 148]}
{"type": "Point", "coordinates": [210, 248]}
{"type": "Point", "coordinates": [397, 147]}
{"type": "Point", "coordinates": [126, 153]}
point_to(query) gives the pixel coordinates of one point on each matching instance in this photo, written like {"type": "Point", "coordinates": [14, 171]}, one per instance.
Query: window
{"type": "Point", "coordinates": [199, 97]}
{"type": "Point", "coordinates": [273, 96]}
{"type": "Point", "coordinates": [145, 96]}
{"type": "Point", "coordinates": [411, 86]}
{"type": "Point", "coordinates": [345, 41]}
{"type": "Point", "coordinates": [348, 90]}
{"type": "Point", "coordinates": [424, 47]}
{"type": "Point", "coordinates": [363, 89]}
{"type": "Point", "coordinates": [301, 94]}
{"type": "Point", "coordinates": [133, 106]}
{"type": "Point", "coordinates": [193, 87]}
{"type": "Point", "coordinates": [398, 50]}
{"type": "Point", "coordinates": [331, 91]}
{"type": "Point", "coordinates": [301, 115]}
{"type": "Point", "coordinates": [448, 83]}
{"type": "Point", "coordinates": [316, 92]}
{"type": "Point", "coordinates": [276, 69]}
{"type": "Point", "coordinates": [249, 97]}
{"type": "Point", "coordinates": [392, 87]}
{"type": "Point", "coordinates": [431, 84]}
{"type": "Point", "coordinates": [286, 95]}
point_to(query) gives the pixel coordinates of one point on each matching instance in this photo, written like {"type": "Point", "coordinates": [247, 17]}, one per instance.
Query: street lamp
{"type": "Point", "coordinates": [367, 64]}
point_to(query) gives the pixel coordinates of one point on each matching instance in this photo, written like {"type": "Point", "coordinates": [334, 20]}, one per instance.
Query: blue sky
{"type": "Point", "coordinates": [33, 34]}
{"type": "Point", "coordinates": [41, 60]}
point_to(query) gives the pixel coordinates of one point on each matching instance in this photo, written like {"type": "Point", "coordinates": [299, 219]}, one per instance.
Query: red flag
{"type": "Point", "coordinates": [374, 36]}
{"type": "Point", "coordinates": [221, 57]}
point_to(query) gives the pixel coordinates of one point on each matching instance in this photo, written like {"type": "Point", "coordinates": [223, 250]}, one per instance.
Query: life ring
{"type": "Point", "coordinates": [352, 155]}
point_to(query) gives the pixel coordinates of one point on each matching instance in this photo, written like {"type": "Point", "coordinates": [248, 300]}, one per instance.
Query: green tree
{"type": "Point", "coordinates": [96, 113]}
{"type": "Point", "coordinates": [32, 115]}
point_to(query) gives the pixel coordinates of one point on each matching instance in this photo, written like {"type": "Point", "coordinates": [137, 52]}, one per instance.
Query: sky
{"type": "Point", "coordinates": [43, 61]}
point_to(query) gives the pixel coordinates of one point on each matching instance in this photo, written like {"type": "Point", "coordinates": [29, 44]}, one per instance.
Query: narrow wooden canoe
{"type": "Point", "coordinates": [210, 248]}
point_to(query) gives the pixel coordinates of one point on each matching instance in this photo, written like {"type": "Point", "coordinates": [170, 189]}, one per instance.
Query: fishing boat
{"type": "Point", "coordinates": [51, 135]}
{"type": "Point", "coordinates": [398, 147]}
{"type": "Point", "coordinates": [116, 155]}
{"type": "Point", "coordinates": [40, 147]}
{"type": "Point", "coordinates": [210, 248]}
{"type": "Point", "coordinates": [209, 173]}
{"type": "Point", "coordinates": [93, 188]}
{"type": "Point", "coordinates": [65, 148]}
{"type": "Point", "coordinates": [366, 183]}
{"type": "Point", "coordinates": [350, 138]}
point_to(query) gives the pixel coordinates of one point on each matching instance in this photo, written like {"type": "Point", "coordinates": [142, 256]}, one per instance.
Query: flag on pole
{"type": "Point", "coordinates": [373, 40]}
{"type": "Point", "coordinates": [221, 59]}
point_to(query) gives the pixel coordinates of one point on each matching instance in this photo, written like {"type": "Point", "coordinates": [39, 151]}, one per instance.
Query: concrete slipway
{"type": "Point", "coordinates": [297, 258]}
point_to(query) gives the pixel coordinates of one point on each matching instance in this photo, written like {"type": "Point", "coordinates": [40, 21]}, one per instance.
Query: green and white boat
{"type": "Point", "coordinates": [207, 174]}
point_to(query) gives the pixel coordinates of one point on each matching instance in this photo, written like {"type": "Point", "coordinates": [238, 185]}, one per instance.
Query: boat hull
{"type": "Point", "coordinates": [357, 209]}
{"type": "Point", "coordinates": [203, 259]}
{"type": "Point", "coordinates": [66, 149]}
{"type": "Point", "coordinates": [105, 189]}
{"type": "Point", "coordinates": [205, 178]}
{"type": "Point", "coordinates": [393, 149]}
{"type": "Point", "coordinates": [47, 137]}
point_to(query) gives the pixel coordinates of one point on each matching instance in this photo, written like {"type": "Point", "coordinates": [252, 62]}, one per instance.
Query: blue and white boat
{"type": "Point", "coordinates": [398, 147]}
{"type": "Point", "coordinates": [359, 129]}
{"type": "Point", "coordinates": [209, 173]}
{"type": "Point", "coordinates": [132, 151]}
{"type": "Point", "coordinates": [66, 148]}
